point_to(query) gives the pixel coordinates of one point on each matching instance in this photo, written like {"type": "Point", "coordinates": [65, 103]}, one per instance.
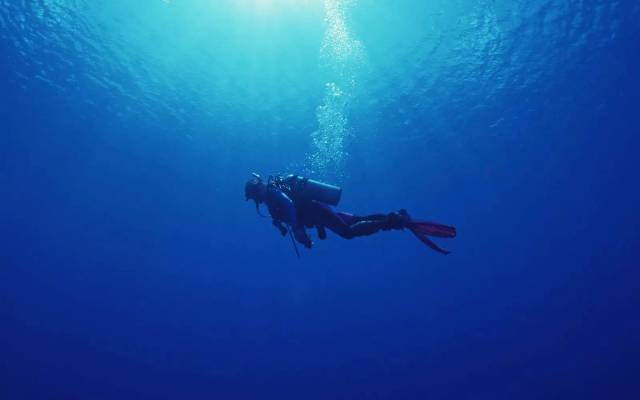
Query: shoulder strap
{"type": "Point", "coordinates": [294, 185]}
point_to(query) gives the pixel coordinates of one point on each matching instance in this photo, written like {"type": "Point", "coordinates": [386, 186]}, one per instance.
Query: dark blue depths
{"type": "Point", "coordinates": [131, 267]}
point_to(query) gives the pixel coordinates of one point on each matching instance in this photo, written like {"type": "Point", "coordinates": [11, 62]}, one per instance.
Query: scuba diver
{"type": "Point", "coordinates": [296, 203]}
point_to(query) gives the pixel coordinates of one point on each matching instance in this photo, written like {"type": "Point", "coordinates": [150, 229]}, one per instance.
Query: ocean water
{"type": "Point", "coordinates": [132, 267]}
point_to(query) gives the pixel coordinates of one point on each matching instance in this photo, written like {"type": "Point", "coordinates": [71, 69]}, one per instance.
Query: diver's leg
{"type": "Point", "coordinates": [337, 224]}
{"type": "Point", "coordinates": [366, 228]}
{"type": "Point", "coordinates": [371, 217]}
{"type": "Point", "coordinates": [355, 226]}
{"type": "Point", "coordinates": [371, 224]}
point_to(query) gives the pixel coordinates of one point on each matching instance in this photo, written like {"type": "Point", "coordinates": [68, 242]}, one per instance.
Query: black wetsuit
{"type": "Point", "coordinates": [286, 207]}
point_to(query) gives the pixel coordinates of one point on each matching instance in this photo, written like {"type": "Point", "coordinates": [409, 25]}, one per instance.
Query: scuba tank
{"type": "Point", "coordinates": [309, 189]}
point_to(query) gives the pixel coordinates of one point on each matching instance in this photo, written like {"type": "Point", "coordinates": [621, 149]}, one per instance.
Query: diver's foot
{"type": "Point", "coordinates": [399, 220]}
{"type": "Point", "coordinates": [406, 218]}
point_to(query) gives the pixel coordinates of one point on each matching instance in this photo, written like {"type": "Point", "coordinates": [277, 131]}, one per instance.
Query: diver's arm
{"type": "Point", "coordinates": [283, 210]}
{"type": "Point", "coordinates": [281, 207]}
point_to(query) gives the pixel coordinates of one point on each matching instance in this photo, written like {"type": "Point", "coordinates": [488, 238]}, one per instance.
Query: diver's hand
{"type": "Point", "coordinates": [302, 237]}
{"type": "Point", "coordinates": [281, 228]}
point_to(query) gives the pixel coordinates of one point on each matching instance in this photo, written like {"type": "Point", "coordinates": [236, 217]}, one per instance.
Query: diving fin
{"type": "Point", "coordinates": [422, 229]}
{"type": "Point", "coordinates": [424, 239]}
{"type": "Point", "coordinates": [434, 229]}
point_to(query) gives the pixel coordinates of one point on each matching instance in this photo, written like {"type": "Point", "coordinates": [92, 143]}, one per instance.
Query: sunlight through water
{"type": "Point", "coordinates": [267, 6]}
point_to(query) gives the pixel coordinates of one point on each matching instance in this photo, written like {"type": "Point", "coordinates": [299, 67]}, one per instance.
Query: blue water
{"type": "Point", "coordinates": [132, 267]}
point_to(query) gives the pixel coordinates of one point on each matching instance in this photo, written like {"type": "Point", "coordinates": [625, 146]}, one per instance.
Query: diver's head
{"type": "Point", "coordinates": [255, 189]}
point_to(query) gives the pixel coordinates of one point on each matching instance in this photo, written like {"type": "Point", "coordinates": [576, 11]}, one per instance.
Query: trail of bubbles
{"type": "Point", "coordinates": [342, 57]}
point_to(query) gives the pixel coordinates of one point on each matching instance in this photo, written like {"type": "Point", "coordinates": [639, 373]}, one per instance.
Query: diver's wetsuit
{"type": "Point", "coordinates": [310, 213]}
